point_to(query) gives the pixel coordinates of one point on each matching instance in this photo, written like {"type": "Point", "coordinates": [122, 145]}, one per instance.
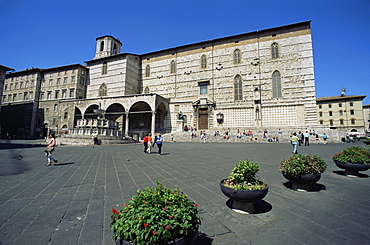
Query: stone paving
{"type": "Point", "coordinates": [71, 203]}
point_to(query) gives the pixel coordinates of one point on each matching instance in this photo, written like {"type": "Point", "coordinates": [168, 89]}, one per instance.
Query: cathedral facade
{"type": "Point", "coordinates": [261, 79]}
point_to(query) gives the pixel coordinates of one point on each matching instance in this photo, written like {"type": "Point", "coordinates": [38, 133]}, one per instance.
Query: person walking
{"type": "Point", "coordinates": [159, 144]}
{"type": "Point", "coordinates": [50, 148]}
{"type": "Point", "coordinates": [324, 137]}
{"type": "Point", "coordinates": [306, 139]}
{"type": "Point", "coordinates": [294, 141]}
{"type": "Point", "coordinates": [145, 141]}
{"type": "Point", "coordinates": [149, 145]}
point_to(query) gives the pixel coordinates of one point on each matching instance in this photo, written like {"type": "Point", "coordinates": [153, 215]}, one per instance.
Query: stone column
{"type": "Point", "coordinates": [126, 124]}
{"type": "Point", "coordinates": [153, 123]}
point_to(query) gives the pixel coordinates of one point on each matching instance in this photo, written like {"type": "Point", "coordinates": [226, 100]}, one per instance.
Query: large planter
{"type": "Point", "coordinates": [302, 182]}
{"type": "Point", "coordinates": [189, 239]}
{"type": "Point", "coordinates": [351, 169]}
{"type": "Point", "coordinates": [243, 200]}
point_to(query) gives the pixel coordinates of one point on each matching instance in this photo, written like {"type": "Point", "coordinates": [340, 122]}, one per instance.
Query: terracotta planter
{"type": "Point", "coordinates": [351, 169]}
{"type": "Point", "coordinates": [243, 199]}
{"type": "Point", "coordinates": [302, 182]}
{"type": "Point", "coordinates": [189, 239]}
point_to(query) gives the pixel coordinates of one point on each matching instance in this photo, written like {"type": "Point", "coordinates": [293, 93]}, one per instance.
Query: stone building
{"type": "Point", "coordinates": [366, 110]}
{"type": "Point", "coordinates": [342, 112]}
{"type": "Point", "coordinates": [261, 79]}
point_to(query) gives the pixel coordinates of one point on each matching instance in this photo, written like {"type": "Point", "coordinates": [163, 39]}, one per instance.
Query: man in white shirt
{"type": "Point", "coordinates": [306, 139]}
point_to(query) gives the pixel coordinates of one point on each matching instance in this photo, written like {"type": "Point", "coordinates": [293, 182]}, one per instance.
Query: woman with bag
{"type": "Point", "coordinates": [50, 148]}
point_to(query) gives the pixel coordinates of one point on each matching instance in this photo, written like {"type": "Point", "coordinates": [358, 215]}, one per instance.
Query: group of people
{"type": "Point", "coordinates": [304, 138]}
{"type": "Point", "coordinates": [150, 142]}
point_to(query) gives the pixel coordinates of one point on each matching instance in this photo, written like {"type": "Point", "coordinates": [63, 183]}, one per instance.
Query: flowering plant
{"type": "Point", "coordinates": [299, 164]}
{"type": "Point", "coordinates": [243, 177]}
{"type": "Point", "coordinates": [155, 216]}
{"type": "Point", "coordinates": [354, 154]}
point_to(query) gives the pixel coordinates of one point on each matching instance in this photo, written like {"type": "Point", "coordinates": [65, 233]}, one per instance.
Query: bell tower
{"type": "Point", "coordinates": [107, 46]}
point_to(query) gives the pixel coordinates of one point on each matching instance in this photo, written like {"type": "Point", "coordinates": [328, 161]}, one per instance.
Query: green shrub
{"type": "Point", "coordinates": [299, 164]}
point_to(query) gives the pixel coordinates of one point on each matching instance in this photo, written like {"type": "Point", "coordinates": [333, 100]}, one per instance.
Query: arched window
{"type": "Point", "coordinates": [238, 88]}
{"type": "Point", "coordinates": [330, 113]}
{"type": "Point", "coordinates": [65, 116]}
{"type": "Point", "coordinates": [352, 112]}
{"type": "Point", "coordinates": [103, 90]}
{"type": "Point", "coordinates": [104, 69]}
{"type": "Point", "coordinates": [274, 51]}
{"type": "Point", "coordinates": [320, 113]}
{"type": "Point", "coordinates": [341, 121]}
{"type": "Point", "coordinates": [173, 67]}
{"type": "Point", "coordinates": [147, 71]}
{"type": "Point", "coordinates": [276, 84]}
{"type": "Point", "coordinates": [353, 121]}
{"type": "Point", "coordinates": [102, 46]}
{"type": "Point", "coordinates": [237, 56]}
{"type": "Point", "coordinates": [146, 90]}
{"type": "Point", "coordinates": [331, 122]}
{"type": "Point", "coordinates": [341, 113]}
{"type": "Point", "coordinates": [321, 122]}
{"type": "Point", "coordinates": [203, 61]}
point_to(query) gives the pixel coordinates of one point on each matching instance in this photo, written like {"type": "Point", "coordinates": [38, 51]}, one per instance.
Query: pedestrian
{"type": "Point", "coordinates": [50, 148]}
{"type": "Point", "coordinates": [150, 139]}
{"type": "Point", "coordinates": [145, 141]}
{"type": "Point", "coordinates": [317, 139]}
{"type": "Point", "coordinates": [159, 144]}
{"type": "Point", "coordinates": [154, 141]}
{"type": "Point", "coordinates": [172, 139]}
{"type": "Point", "coordinates": [325, 137]}
{"type": "Point", "coordinates": [294, 141]}
{"type": "Point", "coordinates": [95, 140]}
{"type": "Point", "coordinates": [306, 139]}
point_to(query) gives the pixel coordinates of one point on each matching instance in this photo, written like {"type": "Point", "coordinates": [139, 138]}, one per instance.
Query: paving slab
{"type": "Point", "coordinates": [71, 203]}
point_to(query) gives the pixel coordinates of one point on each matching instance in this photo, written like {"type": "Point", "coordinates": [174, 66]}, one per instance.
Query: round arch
{"type": "Point", "coordinates": [140, 118]}
{"type": "Point", "coordinates": [116, 112]}
{"type": "Point", "coordinates": [89, 112]}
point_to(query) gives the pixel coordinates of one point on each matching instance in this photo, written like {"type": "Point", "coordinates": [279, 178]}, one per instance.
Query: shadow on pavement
{"type": "Point", "coordinates": [65, 163]}
{"type": "Point", "coordinates": [314, 187]}
{"type": "Point", "coordinates": [260, 206]}
{"type": "Point", "coordinates": [359, 175]}
{"type": "Point", "coordinates": [203, 239]}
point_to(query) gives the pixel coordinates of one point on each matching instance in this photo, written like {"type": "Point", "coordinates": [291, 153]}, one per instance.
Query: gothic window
{"type": "Point", "coordinates": [204, 61]}
{"type": "Point", "coordinates": [101, 45]}
{"type": "Point", "coordinates": [146, 90]}
{"type": "Point", "coordinates": [238, 88]}
{"type": "Point", "coordinates": [104, 69]}
{"type": "Point", "coordinates": [173, 67]}
{"type": "Point", "coordinates": [276, 84]}
{"type": "Point", "coordinates": [103, 90]}
{"type": "Point", "coordinates": [237, 56]}
{"type": "Point", "coordinates": [147, 71]}
{"type": "Point", "coordinates": [275, 50]}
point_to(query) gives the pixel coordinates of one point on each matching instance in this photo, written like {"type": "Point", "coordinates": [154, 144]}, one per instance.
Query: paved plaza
{"type": "Point", "coordinates": [71, 203]}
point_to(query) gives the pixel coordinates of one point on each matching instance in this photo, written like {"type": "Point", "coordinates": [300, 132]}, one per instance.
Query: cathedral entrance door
{"type": "Point", "coordinates": [203, 118]}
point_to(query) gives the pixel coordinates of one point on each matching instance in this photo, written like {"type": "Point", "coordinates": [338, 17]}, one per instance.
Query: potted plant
{"type": "Point", "coordinates": [302, 170]}
{"type": "Point", "coordinates": [243, 187]}
{"type": "Point", "coordinates": [157, 215]}
{"type": "Point", "coordinates": [352, 160]}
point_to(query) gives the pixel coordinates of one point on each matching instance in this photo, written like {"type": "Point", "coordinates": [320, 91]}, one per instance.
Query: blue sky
{"type": "Point", "coordinates": [50, 33]}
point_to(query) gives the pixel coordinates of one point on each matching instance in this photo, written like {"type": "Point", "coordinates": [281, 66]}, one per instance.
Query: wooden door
{"type": "Point", "coordinates": [203, 119]}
